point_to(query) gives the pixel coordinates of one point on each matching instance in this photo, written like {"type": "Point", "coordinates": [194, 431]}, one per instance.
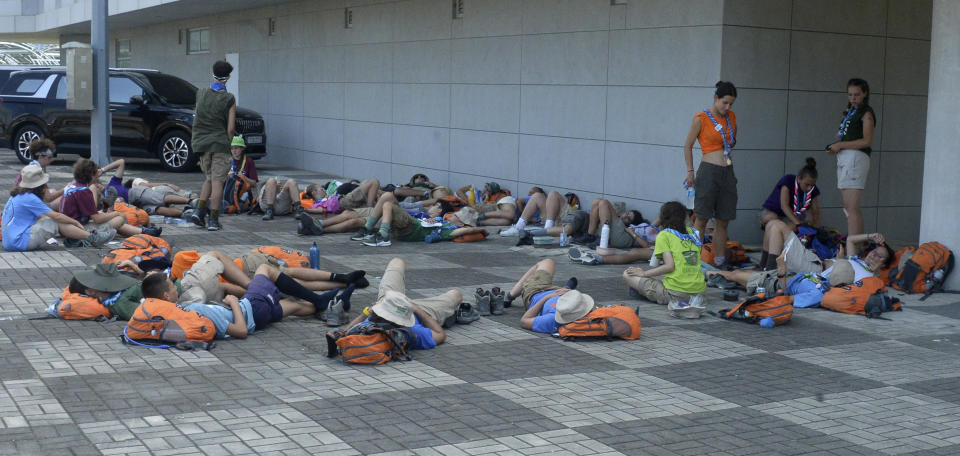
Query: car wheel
{"type": "Point", "coordinates": [174, 152]}
{"type": "Point", "coordinates": [21, 141]}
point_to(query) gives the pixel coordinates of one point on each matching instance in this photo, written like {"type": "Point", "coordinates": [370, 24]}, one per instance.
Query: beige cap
{"type": "Point", "coordinates": [467, 215]}
{"type": "Point", "coordinates": [138, 181]}
{"type": "Point", "coordinates": [396, 308]}
{"type": "Point", "coordinates": [572, 306]}
{"type": "Point", "coordinates": [842, 273]}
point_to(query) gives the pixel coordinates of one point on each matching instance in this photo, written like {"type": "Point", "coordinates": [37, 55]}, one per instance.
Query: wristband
{"type": "Point", "coordinates": [689, 170]}
{"type": "Point", "coordinates": [366, 311]}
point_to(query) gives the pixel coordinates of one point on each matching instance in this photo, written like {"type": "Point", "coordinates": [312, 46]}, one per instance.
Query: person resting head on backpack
{"type": "Point", "coordinates": [679, 247]}
{"type": "Point", "coordinates": [418, 188]}
{"type": "Point", "coordinates": [542, 299]}
{"type": "Point", "coordinates": [233, 319]}
{"type": "Point", "coordinates": [440, 224]}
{"type": "Point", "coordinates": [423, 316]}
{"type": "Point", "coordinates": [875, 257]}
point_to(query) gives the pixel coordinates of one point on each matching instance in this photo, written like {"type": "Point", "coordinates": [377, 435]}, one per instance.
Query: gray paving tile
{"type": "Point", "coordinates": [890, 362]}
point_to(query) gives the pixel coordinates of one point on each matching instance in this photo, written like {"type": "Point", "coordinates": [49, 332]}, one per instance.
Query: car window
{"type": "Point", "coordinates": [24, 84]}
{"type": "Point", "coordinates": [61, 93]}
{"type": "Point", "coordinates": [173, 89]}
{"type": "Point", "coordinates": [122, 88]}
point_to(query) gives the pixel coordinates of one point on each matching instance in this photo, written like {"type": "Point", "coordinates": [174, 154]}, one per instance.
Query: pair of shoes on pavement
{"type": "Point", "coordinates": [335, 313]}
{"type": "Point", "coordinates": [199, 218]}
{"type": "Point", "coordinates": [721, 282]}
{"type": "Point", "coordinates": [584, 256]}
{"type": "Point", "coordinates": [464, 315]}
{"type": "Point", "coordinates": [371, 238]}
{"type": "Point", "coordinates": [306, 226]}
{"type": "Point", "coordinates": [489, 302]}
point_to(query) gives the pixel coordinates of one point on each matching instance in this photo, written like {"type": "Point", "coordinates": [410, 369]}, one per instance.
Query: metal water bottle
{"type": "Point", "coordinates": [314, 257]}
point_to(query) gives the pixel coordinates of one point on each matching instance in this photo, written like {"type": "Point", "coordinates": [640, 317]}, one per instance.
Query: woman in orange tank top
{"type": "Point", "coordinates": [715, 184]}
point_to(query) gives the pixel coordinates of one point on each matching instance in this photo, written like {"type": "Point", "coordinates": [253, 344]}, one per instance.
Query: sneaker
{"type": "Point", "coordinates": [307, 227]}
{"type": "Point", "coordinates": [525, 238]}
{"type": "Point", "coordinates": [512, 231]}
{"type": "Point", "coordinates": [378, 241]}
{"type": "Point", "coordinates": [466, 314]}
{"type": "Point", "coordinates": [634, 293]}
{"type": "Point", "coordinates": [449, 321]}
{"type": "Point", "coordinates": [334, 315]}
{"type": "Point", "coordinates": [151, 230]}
{"type": "Point", "coordinates": [362, 235]}
{"type": "Point", "coordinates": [213, 224]}
{"type": "Point", "coordinates": [99, 238]}
{"type": "Point", "coordinates": [483, 301]}
{"type": "Point", "coordinates": [575, 254]}
{"type": "Point", "coordinates": [571, 283]}
{"type": "Point", "coordinates": [199, 218]}
{"type": "Point", "coordinates": [590, 258]}
{"type": "Point", "coordinates": [496, 301]}
{"type": "Point", "coordinates": [268, 214]}
{"type": "Point", "coordinates": [298, 211]}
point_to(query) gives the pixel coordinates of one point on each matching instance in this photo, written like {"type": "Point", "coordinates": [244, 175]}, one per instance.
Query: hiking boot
{"type": "Point", "coordinates": [151, 230]}
{"type": "Point", "coordinates": [362, 235]}
{"type": "Point", "coordinates": [496, 301]}
{"type": "Point", "coordinates": [378, 240]}
{"type": "Point", "coordinates": [590, 258]}
{"type": "Point", "coordinates": [466, 314]}
{"type": "Point", "coordinates": [99, 238]}
{"type": "Point", "coordinates": [334, 315]}
{"type": "Point", "coordinates": [213, 224]}
{"type": "Point", "coordinates": [525, 238]}
{"type": "Point", "coordinates": [199, 218]}
{"type": "Point", "coordinates": [268, 214]}
{"type": "Point", "coordinates": [512, 231]}
{"type": "Point", "coordinates": [575, 254]}
{"type": "Point", "coordinates": [110, 198]}
{"type": "Point", "coordinates": [483, 301]}
{"type": "Point", "coordinates": [307, 227]}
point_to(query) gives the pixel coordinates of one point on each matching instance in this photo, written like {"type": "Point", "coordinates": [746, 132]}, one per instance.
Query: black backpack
{"type": "Point", "coordinates": [238, 196]}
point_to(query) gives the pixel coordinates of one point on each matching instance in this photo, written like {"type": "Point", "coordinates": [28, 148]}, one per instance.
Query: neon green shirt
{"type": "Point", "coordinates": [686, 276]}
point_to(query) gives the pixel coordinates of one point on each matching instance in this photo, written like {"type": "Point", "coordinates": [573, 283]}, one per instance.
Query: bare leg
{"type": "Point", "coordinates": [310, 275]}
{"type": "Point", "coordinates": [231, 272]}
{"type": "Point", "coordinates": [700, 225]}
{"type": "Point", "coordinates": [553, 204]}
{"type": "Point", "coordinates": [547, 265]}
{"type": "Point", "coordinates": [297, 308]}
{"type": "Point", "coordinates": [292, 189]}
{"type": "Point", "coordinates": [70, 231]}
{"type": "Point", "coordinates": [537, 202]}
{"type": "Point", "coordinates": [233, 289]}
{"type": "Point", "coordinates": [634, 255]}
{"type": "Point", "coordinates": [594, 218]}
{"type": "Point", "coordinates": [371, 187]}
{"type": "Point", "coordinates": [851, 205]}
{"type": "Point", "coordinates": [404, 192]}
{"type": "Point", "coordinates": [205, 191]}
{"type": "Point", "coordinates": [340, 218]}
{"type": "Point", "coordinates": [720, 239]}
{"type": "Point", "coordinates": [174, 199]}
{"type": "Point", "coordinates": [216, 194]}
{"type": "Point", "coordinates": [739, 276]}
{"type": "Point", "coordinates": [169, 211]}
{"type": "Point", "coordinates": [270, 191]}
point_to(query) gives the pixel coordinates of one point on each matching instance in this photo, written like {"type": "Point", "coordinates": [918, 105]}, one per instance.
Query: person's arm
{"type": "Point", "coordinates": [238, 328]}
{"type": "Point", "coordinates": [134, 268]}
{"type": "Point", "coordinates": [688, 151]}
{"type": "Point", "coordinates": [118, 164]}
{"type": "Point", "coordinates": [813, 214]}
{"type": "Point", "coordinates": [462, 192]}
{"type": "Point", "coordinates": [439, 335]}
{"type": "Point", "coordinates": [852, 241]}
{"type": "Point", "coordinates": [103, 217]}
{"type": "Point", "coordinates": [869, 123]}
{"type": "Point", "coordinates": [468, 230]}
{"type": "Point", "coordinates": [636, 237]}
{"type": "Point", "coordinates": [50, 196]}
{"type": "Point", "coordinates": [665, 268]}
{"type": "Point", "coordinates": [231, 121]}
{"type": "Point", "coordinates": [786, 207]}
{"type": "Point", "coordinates": [62, 218]}
{"type": "Point", "coordinates": [357, 320]}
{"type": "Point", "coordinates": [526, 321]}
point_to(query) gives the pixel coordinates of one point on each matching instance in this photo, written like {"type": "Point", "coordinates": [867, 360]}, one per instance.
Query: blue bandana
{"type": "Point", "coordinates": [694, 238]}
{"type": "Point", "coordinates": [218, 87]}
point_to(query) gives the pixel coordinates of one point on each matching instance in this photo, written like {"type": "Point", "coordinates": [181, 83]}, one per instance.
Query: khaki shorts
{"type": "Point", "coordinates": [653, 290]}
{"type": "Point", "coordinates": [538, 282]}
{"type": "Point", "coordinates": [202, 282]}
{"type": "Point", "coordinates": [578, 220]}
{"type": "Point", "coordinates": [282, 204]}
{"type": "Point", "coordinates": [41, 230]}
{"type": "Point", "coordinates": [216, 165]}
{"type": "Point", "coordinates": [619, 238]}
{"type": "Point", "coordinates": [799, 258]}
{"type": "Point", "coordinates": [252, 260]}
{"type": "Point", "coordinates": [853, 166]}
{"type": "Point", "coordinates": [716, 192]}
{"type": "Point", "coordinates": [438, 307]}
{"type": "Point", "coordinates": [166, 190]}
{"type": "Point", "coordinates": [766, 279]}
{"type": "Point", "coordinates": [363, 212]}
{"type": "Point", "coordinates": [356, 198]}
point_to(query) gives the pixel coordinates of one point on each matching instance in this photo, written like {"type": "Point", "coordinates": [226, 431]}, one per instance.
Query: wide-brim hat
{"type": "Point", "coordinates": [104, 277]}
{"type": "Point", "coordinates": [467, 215]}
{"type": "Point", "coordinates": [32, 176]}
{"type": "Point", "coordinates": [396, 308]}
{"type": "Point", "coordinates": [138, 181]}
{"type": "Point", "coordinates": [572, 306]}
{"type": "Point", "coordinates": [507, 200]}
{"type": "Point", "coordinates": [842, 273]}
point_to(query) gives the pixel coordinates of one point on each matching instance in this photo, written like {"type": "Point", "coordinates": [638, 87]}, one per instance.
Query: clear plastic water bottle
{"type": "Point", "coordinates": [691, 196]}
{"type": "Point", "coordinates": [563, 239]}
{"type": "Point", "coordinates": [653, 261]}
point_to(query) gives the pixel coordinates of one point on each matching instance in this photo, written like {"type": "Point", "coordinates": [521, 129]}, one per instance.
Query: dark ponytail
{"type": "Point", "coordinates": [725, 88]}
{"type": "Point", "coordinates": [862, 84]}
{"type": "Point", "coordinates": [808, 170]}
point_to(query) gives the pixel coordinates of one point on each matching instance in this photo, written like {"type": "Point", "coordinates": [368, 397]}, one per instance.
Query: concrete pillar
{"type": "Point", "coordinates": [940, 207]}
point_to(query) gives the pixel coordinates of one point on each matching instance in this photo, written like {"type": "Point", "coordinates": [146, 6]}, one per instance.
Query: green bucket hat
{"type": "Point", "coordinates": [238, 142]}
{"type": "Point", "coordinates": [104, 277]}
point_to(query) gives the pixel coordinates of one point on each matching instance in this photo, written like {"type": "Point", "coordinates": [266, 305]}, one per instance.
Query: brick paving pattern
{"type": "Point", "coordinates": [826, 384]}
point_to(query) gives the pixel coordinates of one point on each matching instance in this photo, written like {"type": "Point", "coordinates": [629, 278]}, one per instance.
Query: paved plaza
{"type": "Point", "coordinates": [826, 383]}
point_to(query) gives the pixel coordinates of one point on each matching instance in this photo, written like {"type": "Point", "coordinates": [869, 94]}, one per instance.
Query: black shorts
{"type": "Point", "coordinates": [716, 189]}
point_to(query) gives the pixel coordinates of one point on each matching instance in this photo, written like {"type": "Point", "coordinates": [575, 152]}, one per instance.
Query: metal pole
{"type": "Point", "coordinates": [100, 117]}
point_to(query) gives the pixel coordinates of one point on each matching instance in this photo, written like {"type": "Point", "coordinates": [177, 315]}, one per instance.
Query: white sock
{"type": "Point", "coordinates": [605, 236]}
{"type": "Point", "coordinates": [548, 224]}
{"type": "Point", "coordinates": [521, 224]}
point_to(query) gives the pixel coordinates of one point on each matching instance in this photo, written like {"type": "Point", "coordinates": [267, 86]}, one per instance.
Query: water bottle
{"type": "Point", "coordinates": [691, 196]}
{"type": "Point", "coordinates": [653, 261]}
{"type": "Point", "coordinates": [563, 239]}
{"type": "Point", "coordinates": [761, 292]}
{"type": "Point", "coordinates": [432, 237]}
{"type": "Point", "coordinates": [314, 257]}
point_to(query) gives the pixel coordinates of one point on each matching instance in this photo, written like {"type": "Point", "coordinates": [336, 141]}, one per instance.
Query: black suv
{"type": "Point", "coordinates": [152, 116]}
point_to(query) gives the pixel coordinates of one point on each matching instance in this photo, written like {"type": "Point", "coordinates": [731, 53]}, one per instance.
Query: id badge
{"type": "Point", "coordinates": [718, 127]}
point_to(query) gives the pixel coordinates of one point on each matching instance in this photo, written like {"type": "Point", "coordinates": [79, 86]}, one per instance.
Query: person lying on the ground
{"type": "Point", "coordinates": [313, 279]}
{"type": "Point", "coordinates": [490, 193]}
{"type": "Point", "coordinates": [582, 226]}
{"type": "Point", "coordinates": [82, 198]}
{"type": "Point", "coordinates": [43, 151]}
{"type": "Point", "coordinates": [423, 316]}
{"type": "Point", "coordinates": [396, 223]}
{"type": "Point", "coordinates": [875, 256]}
{"type": "Point", "coordinates": [541, 299]}
{"type": "Point", "coordinates": [108, 285]}
{"type": "Point", "coordinates": [841, 272]}
{"type": "Point", "coordinates": [502, 213]}
{"type": "Point", "coordinates": [28, 222]}
{"type": "Point", "coordinates": [679, 248]}
{"type": "Point", "coordinates": [644, 234]}
{"type": "Point", "coordinates": [282, 202]}
{"type": "Point", "coordinates": [150, 199]}
{"type": "Point", "coordinates": [365, 195]}
{"type": "Point", "coordinates": [354, 220]}
{"type": "Point", "coordinates": [418, 188]}
{"type": "Point", "coordinates": [162, 187]}
{"type": "Point", "coordinates": [438, 193]}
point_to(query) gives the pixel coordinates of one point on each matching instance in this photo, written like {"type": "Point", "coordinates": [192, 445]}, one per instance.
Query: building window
{"type": "Point", "coordinates": [198, 40]}
{"type": "Point", "coordinates": [123, 53]}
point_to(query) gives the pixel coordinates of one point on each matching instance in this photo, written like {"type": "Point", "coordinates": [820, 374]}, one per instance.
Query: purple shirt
{"type": "Point", "coordinates": [790, 181]}
{"type": "Point", "coordinates": [122, 192]}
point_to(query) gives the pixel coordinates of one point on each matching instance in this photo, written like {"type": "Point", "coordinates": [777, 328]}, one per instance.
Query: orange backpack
{"type": "Point", "coordinates": [182, 262]}
{"type": "Point", "coordinates": [867, 297]}
{"type": "Point", "coordinates": [735, 254]}
{"type": "Point", "coordinates": [899, 258]}
{"type": "Point", "coordinates": [494, 197]}
{"type": "Point", "coordinates": [472, 237]}
{"type": "Point", "coordinates": [609, 322]}
{"type": "Point", "coordinates": [164, 321]}
{"type": "Point", "coordinates": [286, 257]}
{"type": "Point", "coordinates": [74, 306]}
{"type": "Point", "coordinates": [925, 271]}
{"type": "Point", "coordinates": [755, 308]}
{"type": "Point", "coordinates": [369, 343]}
{"type": "Point", "coordinates": [145, 241]}
{"type": "Point", "coordinates": [135, 216]}
{"type": "Point", "coordinates": [135, 255]}
{"type": "Point", "coordinates": [306, 201]}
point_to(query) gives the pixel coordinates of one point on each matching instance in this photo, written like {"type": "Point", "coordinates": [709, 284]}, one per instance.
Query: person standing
{"type": "Point", "coordinates": [213, 129]}
{"type": "Point", "coordinates": [714, 182]}
{"type": "Point", "coordinates": [852, 149]}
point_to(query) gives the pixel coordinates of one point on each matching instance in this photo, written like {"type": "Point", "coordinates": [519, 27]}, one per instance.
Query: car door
{"type": "Point", "coordinates": [70, 128]}
{"type": "Point", "coordinates": [130, 131]}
